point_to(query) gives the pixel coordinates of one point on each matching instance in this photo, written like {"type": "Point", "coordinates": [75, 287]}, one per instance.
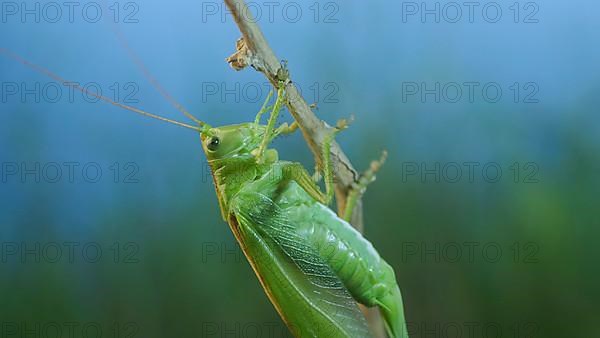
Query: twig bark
{"type": "Point", "coordinates": [253, 50]}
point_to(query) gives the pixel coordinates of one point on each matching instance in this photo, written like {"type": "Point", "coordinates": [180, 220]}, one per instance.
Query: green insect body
{"type": "Point", "coordinates": [313, 265]}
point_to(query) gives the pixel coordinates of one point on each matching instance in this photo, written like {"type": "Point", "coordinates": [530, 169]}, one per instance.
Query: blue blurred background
{"type": "Point", "coordinates": [487, 207]}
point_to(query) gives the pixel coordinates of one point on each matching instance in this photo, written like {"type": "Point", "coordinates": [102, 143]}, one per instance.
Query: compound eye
{"type": "Point", "coordinates": [213, 144]}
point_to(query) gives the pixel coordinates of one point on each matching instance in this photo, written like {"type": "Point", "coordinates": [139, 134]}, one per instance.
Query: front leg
{"type": "Point", "coordinates": [265, 107]}
{"type": "Point", "coordinates": [270, 129]}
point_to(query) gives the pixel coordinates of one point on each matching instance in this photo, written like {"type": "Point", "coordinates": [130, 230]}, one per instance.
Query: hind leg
{"type": "Point", "coordinates": [360, 186]}
{"type": "Point", "coordinates": [327, 169]}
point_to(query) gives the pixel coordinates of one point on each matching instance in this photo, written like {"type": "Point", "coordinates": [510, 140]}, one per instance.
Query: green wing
{"type": "Point", "coordinates": [308, 295]}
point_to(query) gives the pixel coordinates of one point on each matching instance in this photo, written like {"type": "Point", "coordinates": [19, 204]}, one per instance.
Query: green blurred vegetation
{"type": "Point", "coordinates": [185, 277]}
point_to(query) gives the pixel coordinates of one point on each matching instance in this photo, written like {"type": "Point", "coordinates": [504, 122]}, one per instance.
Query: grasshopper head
{"type": "Point", "coordinates": [231, 141]}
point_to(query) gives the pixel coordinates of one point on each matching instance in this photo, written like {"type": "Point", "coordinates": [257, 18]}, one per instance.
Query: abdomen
{"type": "Point", "coordinates": [368, 278]}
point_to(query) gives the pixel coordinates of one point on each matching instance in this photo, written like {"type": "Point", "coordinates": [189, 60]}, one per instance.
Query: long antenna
{"type": "Point", "coordinates": [140, 64]}
{"type": "Point", "coordinates": [48, 73]}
